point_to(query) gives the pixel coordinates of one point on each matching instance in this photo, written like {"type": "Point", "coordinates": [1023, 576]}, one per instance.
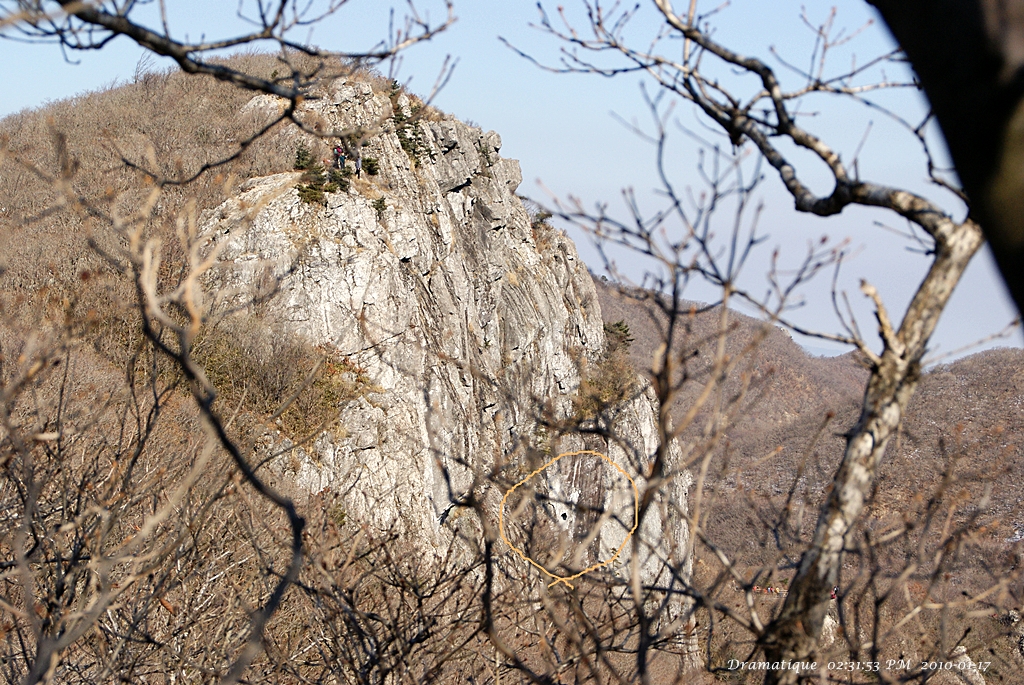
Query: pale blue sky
{"type": "Point", "coordinates": [561, 129]}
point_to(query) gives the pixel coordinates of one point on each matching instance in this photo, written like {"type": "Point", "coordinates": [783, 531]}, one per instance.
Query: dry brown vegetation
{"type": "Point", "coordinates": [150, 532]}
{"type": "Point", "coordinates": [947, 481]}
{"type": "Point", "coordinates": [918, 565]}
{"type": "Point", "coordinates": [612, 380]}
{"type": "Point", "coordinates": [133, 548]}
{"type": "Point", "coordinates": [146, 451]}
{"type": "Point", "coordinates": [171, 124]}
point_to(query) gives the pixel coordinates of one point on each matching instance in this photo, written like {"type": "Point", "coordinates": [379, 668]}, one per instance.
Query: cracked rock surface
{"type": "Point", "coordinates": [468, 320]}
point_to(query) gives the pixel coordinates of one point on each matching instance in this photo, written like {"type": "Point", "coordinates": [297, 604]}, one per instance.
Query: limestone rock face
{"type": "Point", "coordinates": [469, 321]}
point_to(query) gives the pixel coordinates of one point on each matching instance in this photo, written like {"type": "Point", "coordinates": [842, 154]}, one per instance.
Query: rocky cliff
{"type": "Point", "coordinates": [466, 322]}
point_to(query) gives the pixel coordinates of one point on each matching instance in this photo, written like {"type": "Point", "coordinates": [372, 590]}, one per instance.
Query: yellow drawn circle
{"type": "Point", "coordinates": [529, 560]}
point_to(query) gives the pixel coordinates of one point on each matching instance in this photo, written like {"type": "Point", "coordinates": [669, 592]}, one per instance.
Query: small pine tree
{"type": "Point", "coordinates": [312, 194]}
{"type": "Point", "coordinates": [316, 181]}
{"type": "Point", "coordinates": [339, 179]}
{"type": "Point", "coordinates": [617, 336]}
{"type": "Point", "coordinates": [379, 205]}
{"type": "Point", "coordinates": [303, 157]}
{"type": "Point", "coordinates": [314, 175]}
{"type": "Point", "coordinates": [612, 380]}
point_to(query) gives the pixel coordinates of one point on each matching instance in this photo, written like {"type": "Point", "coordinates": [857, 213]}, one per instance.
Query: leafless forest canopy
{"type": "Point", "coordinates": [131, 547]}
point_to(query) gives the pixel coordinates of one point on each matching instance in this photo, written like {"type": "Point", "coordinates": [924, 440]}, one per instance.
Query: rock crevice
{"type": "Point", "coordinates": [468, 326]}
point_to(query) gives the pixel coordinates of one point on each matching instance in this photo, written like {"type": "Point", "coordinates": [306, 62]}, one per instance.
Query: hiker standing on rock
{"type": "Point", "coordinates": [339, 157]}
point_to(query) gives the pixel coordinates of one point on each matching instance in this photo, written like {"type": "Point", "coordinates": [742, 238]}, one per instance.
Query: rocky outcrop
{"type": "Point", "coordinates": [469, 322]}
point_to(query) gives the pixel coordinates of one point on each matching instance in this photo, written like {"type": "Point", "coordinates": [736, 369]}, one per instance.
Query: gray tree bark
{"type": "Point", "coordinates": [795, 633]}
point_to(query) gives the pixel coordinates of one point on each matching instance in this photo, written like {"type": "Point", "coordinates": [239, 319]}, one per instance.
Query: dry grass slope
{"type": "Point", "coordinates": [124, 425]}
{"type": "Point", "coordinates": [117, 433]}
{"type": "Point", "coordinates": [964, 425]}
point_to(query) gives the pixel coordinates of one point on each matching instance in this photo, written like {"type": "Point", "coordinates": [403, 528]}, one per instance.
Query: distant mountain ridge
{"type": "Point", "coordinates": [972, 405]}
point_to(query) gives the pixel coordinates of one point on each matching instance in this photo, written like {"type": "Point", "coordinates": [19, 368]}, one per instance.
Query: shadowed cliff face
{"type": "Point", "coordinates": [466, 323]}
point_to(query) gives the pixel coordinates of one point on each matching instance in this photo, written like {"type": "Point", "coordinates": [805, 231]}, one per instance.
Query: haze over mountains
{"type": "Point", "coordinates": [968, 411]}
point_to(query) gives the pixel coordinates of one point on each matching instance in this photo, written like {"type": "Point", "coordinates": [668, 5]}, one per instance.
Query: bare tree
{"type": "Point", "coordinates": [149, 538]}
{"type": "Point", "coordinates": [109, 527]}
{"type": "Point", "coordinates": [685, 60]}
{"type": "Point", "coordinates": [635, 620]}
{"type": "Point", "coordinates": [78, 26]}
{"type": "Point", "coordinates": [975, 93]}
